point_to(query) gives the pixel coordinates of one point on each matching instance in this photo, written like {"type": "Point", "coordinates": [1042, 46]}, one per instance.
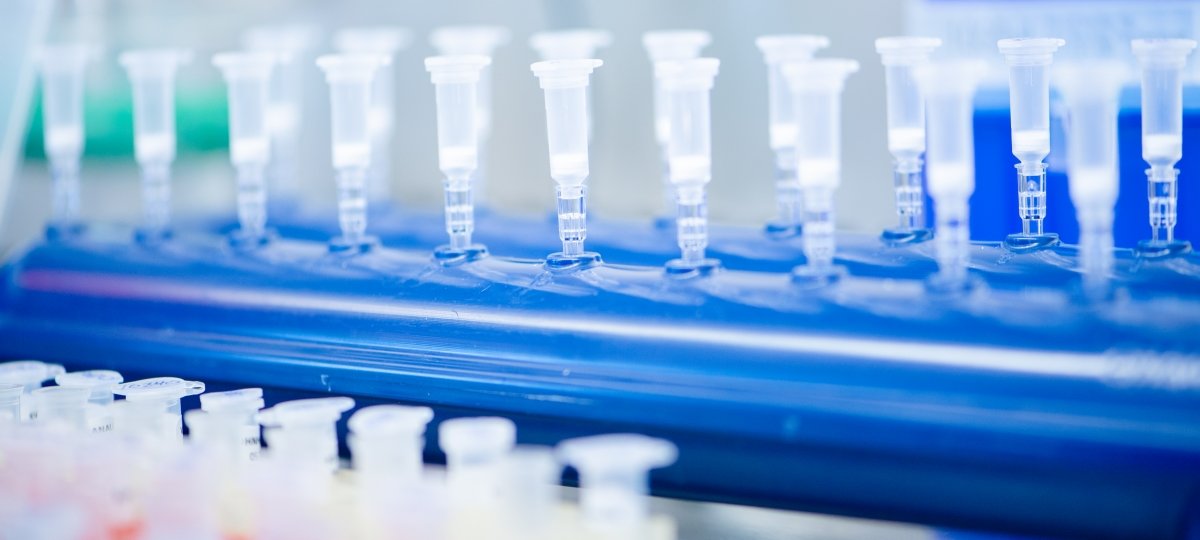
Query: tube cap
{"type": "Point", "coordinates": [790, 47]}
{"type": "Point", "coordinates": [390, 420]}
{"type": "Point", "coordinates": [675, 44]}
{"type": "Point", "coordinates": [482, 437]}
{"type": "Point", "coordinates": [564, 73]}
{"type": "Point", "coordinates": [695, 73]}
{"type": "Point", "coordinates": [243, 400]}
{"type": "Point", "coordinates": [28, 372]}
{"type": "Point", "coordinates": [306, 411]}
{"type": "Point", "coordinates": [901, 50]}
{"type": "Point", "coordinates": [570, 44]}
{"type": "Point", "coordinates": [460, 40]}
{"type": "Point", "coordinates": [456, 69]}
{"type": "Point", "coordinates": [372, 40]}
{"type": "Point", "coordinates": [166, 388]}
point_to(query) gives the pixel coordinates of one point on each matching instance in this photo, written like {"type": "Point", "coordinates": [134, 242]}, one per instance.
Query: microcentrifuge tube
{"type": "Point", "coordinates": [565, 84]}
{"type": "Point", "coordinates": [475, 451]}
{"type": "Point", "coordinates": [663, 45]}
{"type": "Point", "coordinates": [303, 432]}
{"type": "Point", "coordinates": [61, 406]}
{"type": "Point", "coordinates": [817, 85]}
{"type": "Point", "coordinates": [614, 476]}
{"type": "Point", "coordinates": [1090, 91]}
{"type": "Point", "coordinates": [573, 44]}
{"type": "Point", "coordinates": [350, 77]}
{"type": "Point", "coordinates": [10, 402]}
{"type": "Point", "coordinates": [62, 68]}
{"type": "Point", "coordinates": [248, 78]}
{"type": "Point", "coordinates": [292, 47]}
{"type": "Point", "coordinates": [152, 76]}
{"type": "Point", "coordinates": [385, 41]}
{"type": "Point", "coordinates": [529, 491]}
{"type": "Point", "coordinates": [100, 384]}
{"type": "Point", "coordinates": [1029, 62]}
{"type": "Point", "coordinates": [30, 374]}
{"type": "Point", "coordinates": [152, 407]}
{"type": "Point", "coordinates": [241, 406]}
{"type": "Point", "coordinates": [777, 50]}
{"type": "Point", "coordinates": [456, 82]}
{"type": "Point", "coordinates": [906, 131]}
{"type": "Point", "coordinates": [481, 40]}
{"type": "Point", "coordinates": [949, 88]}
{"type": "Point", "coordinates": [686, 86]}
{"type": "Point", "coordinates": [386, 444]}
{"type": "Point", "coordinates": [1162, 62]}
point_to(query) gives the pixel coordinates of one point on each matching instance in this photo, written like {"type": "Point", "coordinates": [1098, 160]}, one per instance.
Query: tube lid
{"type": "Point", "coordinates": [351, 67]}
{"type": "Point", "coordinates": [285, 41]}
{"type": "Point", "coordinates": [463, 40]}
{"type": "Point", "coordinates": [482, 437]}
{"type": "Point", "coordinates": [569, 44]}
{"type": "Point", "coordinates": [390, 420]}
{"type": "Point", "coordinates": [306, 411]}
{"type": "Point", "coordinates": [790, 47]}
{"type": "Point", "coordinates": [697, 73]}
{"type": "Point", "coordinates": [242, 400]}
{"type": "Point", "coordinates": [1028, 51]}
{"type": "Point", "coordinates": [386, 40]}
{"type": "Point", "coordinates": [901, 50]}
{"type": "Point", "coordinates": [675, 44]}
{"type": "Point", "coordinates": [828, 73]}
{"type": "Point", "coordinates": [617, 452]}
{"type": "Point", "coordinates": [149, 62]}
{"type": "Point", "coordinates": [10, 394]}
{"type": "Point", "coordinates": [91, 379]}
{"type": "Point", "coordinates": [28, 372]}
{"type": "Point", "coordinates": [1162, 51]}
{"type": "Point", "coordinates": [166, 388]}
{"type": "Point", "coordinates": [564, 73]}
{"type": "Point", "coordinates": [240, 64]}
{"type": "Point", "coordinates": [456, 69]}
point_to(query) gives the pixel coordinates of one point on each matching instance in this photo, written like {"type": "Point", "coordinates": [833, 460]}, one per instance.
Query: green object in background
{"type": "Point", "coordinates": [201, 121]}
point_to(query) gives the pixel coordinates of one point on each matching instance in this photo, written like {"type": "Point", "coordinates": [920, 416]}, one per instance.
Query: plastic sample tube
{"type": "Point", "coordinates": [153, 408]}
{"type": "Point", "coordinates": [1028, 62]}
{"type": "Point", "coordinates": [664, 45]}
{"type": "Point", "coordinates": [686, 85]}
{"type": "Point", "coordinates": [62, 68]}
{"type": "Point", "coordinates": [387, 443]}
{"type": "Point", "coordinates": [565, 84]}
{"type": "Point", "coordinates": [573, 44]}
{"type": "Point", "coordinates": [614, 476]}
{"type": "Point", "coordinates": [456, 83]}
{"type": "Point", "coordinates": [385, 41]}
{"type": "Point", "coordinates": [949, 88]}
{"type": "Point", "coordinates": [475, 455]}
{"type": "Point", "coordinates": [304, 431]}
{"type": "Point", "coordinates": [10, 402]}
{"type": "Point", "coordinates": [906, 131]}
{"type": "Point", "coordinates": [1091, 92]}
{"type": "Point", "coordinates": [100, 384]}
{"type": "Point", "coordinates": [479, 40]}
{"type": "Point", "coordinates": [248, 78]}
{"type": "Point", "coordinates": [291, 47]}
{"type": "Point", "coordinates": [350, 77]}
{"type": "Point", "coordinates": [152, 75]}
{"type": "Point", "coordinates": [816, 85]}
{"type": "Point", "coordinates": [62, 406]}
{"type": "Point", "coordinates": [30, 374]}
{"type": "Point", "coordinates": [1162, 62]}
{"type": "Point", "coordinates": [781, 110]}
{"type": "Point", "coordinates": [241, 406]}
{"type": "Point", "coordinates": [529, 492]}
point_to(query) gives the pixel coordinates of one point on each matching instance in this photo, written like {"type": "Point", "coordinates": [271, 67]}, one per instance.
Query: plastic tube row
{"type": "Point", "coordinates": [122, 469]}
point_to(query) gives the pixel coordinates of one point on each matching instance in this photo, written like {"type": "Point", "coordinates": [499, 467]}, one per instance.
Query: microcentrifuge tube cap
{"type": "Point", "coordinates": [390, 420]}
{"type": "Point", "coordinates": [306, 411]}
{"type": "Point", "coordinates": [165, 388]}
{"type": "Point", "coordinates": [1028, 51]}
{"type": "Point", "coordinates": [900, 50]}
{"type": "Point", "coordinates": [789, 47]}
{"type": "Point", "coordinates": [675, 44]}
{"type": "Point", "coordinates": [146, 62]}
{"type": "Point", "coordinates": [458, 40]}
{"type": "Point", "coordinates": [692, 73]}
{"type": "Point", "coordinates": [486, 436]}
{"type": "Point", "coordinates": [28, 373]}
{"type": "Point", "coordinates": [1163, 51]}
{"type": "Point", "coordinates": [245, 399]}
{"type": "Point", "coordinates": [10, 397]}
{"type": "Point", "coordinates": [371, 39]}
{"type": "Point", "coordinates": [827, 73]}
{"type": "Point", "coordinates": [569, 44]}
{"type": "Point", "coordinates": [456, 69]}
{"type": "Point", "coordinates": [100, 382]}
{"type": "Point", "coordinates": [564, 73]}
{"type": "Point", "coordinates": [614, 473]}
{"type": "Point", "coordinates": [236, 65]}
{"type": "Point", "coordinates": [350, 67]}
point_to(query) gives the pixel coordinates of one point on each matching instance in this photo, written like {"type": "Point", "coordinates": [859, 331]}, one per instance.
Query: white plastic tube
{"type": "Point", "coordinates": [781, 110]}
{"type": "Point", "coordinates": [1029, 62]}
{"type": "Point", "coordinates": [30, 374]}
{"type": "Point", "coordinates": [10, 402]}
{"type": "Point", "coordinates": [152, 76]}
{"type": "Point", "coordinates": [238, 408]}
{"type": "Point", "coordinates": [248, 78]}
{"type": "Point", "coordinates": [817, 85]}
{"type": "Point", "coordinates": [906, 130]}
{"type": "Point", "coordinates": [62, 68]}
{"type": "Point", "coordinates": [152, 407]}
{"type": "Point", "coordinates": [387, 443]}
{"type": "Point", "coordinates": [661, 46]}
{"type": "Point", "coordinates": [565, 84]}
{"type": "Point", "coordinates": [614, 476]}
{"type": "Point", "coordinates": [303, 432]}
{"type": "Point", "coordinates": [387, 42]}
{"type": "Point", "coordinates": [475, 450]}
{"type": "Point", "coordinates": [61, 406]}
{"type": "Point", "coordinates": [949, 88]}
{"type": "Point", "coordinates": [100, 384]}
{"type": "Point", "coordinates": [350, 78]}
{"type": "Point", "coordinates": [456, 83]}
{"type": "Point", "coordinates": [1162, 62]}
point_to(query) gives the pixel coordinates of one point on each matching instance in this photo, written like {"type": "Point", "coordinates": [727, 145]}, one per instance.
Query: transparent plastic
{"type": "Point", "coordinates": [152, 76]}
{"type": "Point", "coordinates": [529, 491]}
{"type": "Point", "coordinates": [100, 384]}
{"type": "Point", "coordinates": [154, 404]}
{"type": "Point", "coordinates": [1162, 63]}
{"type": "Point", "coordinates": [385, 41]}
{"type": "Point", "coordinates": [781, 111]}
{"type": "Point", "coordinates": [248, 79]}
{"type": "Point", "coordinates": [1029, 62]}
{"type": "Point", "coordinates": [30, 374]}
{"type": "Point", "coordinates": [1091, 91]}
{"type": "Point", "coordinates": [565, 84]}
{"type": "Point", "coordinates": [664, 45]}
{"type": "Point", "coordinates": [475, 450]}
{"type": "Point", "coordinates": [10, 402]}
{"type": "Point", "coordinates": [303, 432]}
{"type": "Point", "coordinates": [614, 476]}
{"type": "Point", "coordinates": [350, 78]}
{"type": "Point", "coordinates": [61, 406]}
{"type": "Point", "coordinates": [62, 69]}
{"type": "Point", "coordinates": [817, 85]}
{"type": "Point", "coordinates": [239, 408]}
{"type": "Point", "coordinates": [387, 442]}
{"type": "Point", "coordinates": [949, 89]}
{"type": "Point", "coordinates": [906, 130]}
{"type": "Point", "coordinates": [456, 82]}
{"type": "Point", "coordinates": [572, 44]}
